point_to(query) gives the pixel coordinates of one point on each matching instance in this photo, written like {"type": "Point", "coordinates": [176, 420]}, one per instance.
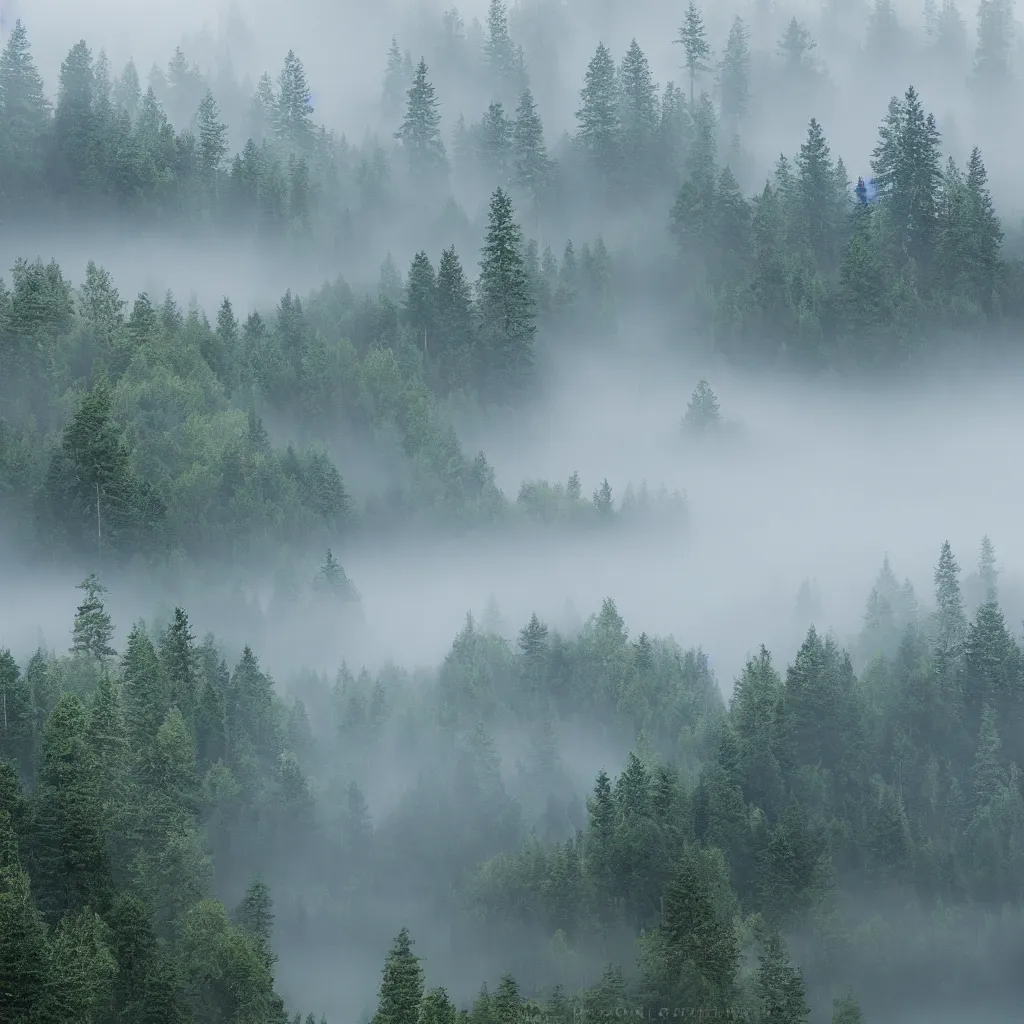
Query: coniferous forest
{"type": "Point", "coordinates": [469, 489]}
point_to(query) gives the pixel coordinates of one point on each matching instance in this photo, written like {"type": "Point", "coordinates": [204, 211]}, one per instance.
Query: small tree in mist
{"type": "Point", "coordinates": [333, 580]}
{"type": "Point", "coordinates": [256, 916]}
{"type": "Point", "coordinates": [846, 1010]}
{"type": "Point", "coordinates": [702, 411]}
{"type": "Point", "coordinates": [93, 629]}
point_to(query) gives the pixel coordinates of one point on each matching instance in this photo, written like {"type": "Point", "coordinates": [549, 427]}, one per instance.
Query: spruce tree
{"type": "Point", "coordinates": [420, 302]}
{"type": "Point", "coordinates": [702, 411]}
{"type": "Point", "coordinates": [598, 116]}
{"type": "Point", "coordinates": [454, 313]}
{"type": "Point", "coordinates": [256, 916]}
{"type": "Point", "coordinates": [639, 116]}
{"type": "Point", "coordinates": [293, 118]}
{"type": "Point", "coordinates": [144, 688]}
{"type": "Point", "coordinates": [696, 50]}
{"type": "Point", "coordinates": [70, 827]}
{"type": "Point", "coordinates": [437, 1008]}
{"type": "Point", "coordinates": [395, 83]}
{"type": "Point", "coordinates": [178, 657]}
{"type": "Point", "coordinates": [734, 76]}
{"type": "Point", "coordinates": [819, 203]}
{"type": "Point", "coordinates": [495, 143]}
{"type": "Point", "coordinates": [530, 157]}
{"type": "Point", "coordinates": [17, 714]}
{"type": "Point", "coordinates": [951, 623]}
{"type": "Point", "coordinates": [502, 58]}
{"type": "Point", "coordinates": [506, 304]}
{"type": "Point", "coordinates": [420, 133]}
{"type": "Point", "coordinates": [780, 986]}
{"type": "Point", "coordinates": [93, 629]}
{"type": "Point", "coordinates": [795, 48]}
{"type": "Point", "coordinates": [993, 57]}
{"type": "Point", "coordinates": [401, 988]}
{"type": "Point", "coordinates": [24, 116]}
{"type": "Point", "coordinates": [987, 571]}
{"type": "Point", "coordinates": [213, 136]}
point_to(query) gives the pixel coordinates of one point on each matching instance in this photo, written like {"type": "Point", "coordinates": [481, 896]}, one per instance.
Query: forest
{"type": "Point", "coordinates": [530, 339]}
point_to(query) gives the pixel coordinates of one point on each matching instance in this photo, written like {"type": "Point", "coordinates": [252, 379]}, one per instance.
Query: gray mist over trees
{"type": "Point", "coordinates": [509, 512]}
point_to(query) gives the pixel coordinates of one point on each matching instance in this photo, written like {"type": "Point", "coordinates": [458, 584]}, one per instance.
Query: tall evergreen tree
{"type": "Point", "coordinates": [598, 116]}
{"type": "Point", "coordinates": [401, 987]}
{"type": "Point", "coordinates": [530, 155]}
{"type": "Point", "coordinates": [734, 75]}
{"type": "Point", "coordinates": [697, 51]}
{"type": "Point", "coordinates": [506, 303]}
{"type": "Point", "coordinates": [639, 116]}
{"type": "Point", "coordinates": [24, 117]}
{"type": "Point", "coordinates": [293, 120]}
{"type": "Point", "coordinates": [93, 629]}
{"type": "Point", "coordinates": [420, 133]}
{"type": "Point", "coordinates": [454, 314]}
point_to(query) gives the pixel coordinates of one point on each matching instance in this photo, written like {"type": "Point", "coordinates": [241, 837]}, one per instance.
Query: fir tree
{"type": "Point", "coordinates": [506, 304]}
{"type": "Point", "coordinates": [24, 116]}
{"type": "Point", "coordinates": [693, 39]}
{"type": "Point", "coordinates": [531, 163]}
{"type": "Point", "coordinates": [454, 321]}
{"type": "Point", "coordinates": [401, 988]}
{"type": "Point", "coordinates": [638, 116]}
{"type": "Point", "coordinates": [702, 411]}
{"type": "Point", "coordinates": [420, 133]}
{"type": "Point", "coordinates": [598, 116]}
{"type": "Point", "coordinates": [213, 136]}
{"type": "Point", "coordinates": [780, 986]}
{"type": "Point", "coordinates": [93, 629]}
{"type": "Point", "coordinates": [734, 75]}
{"type": "Point", "coordinates": [293, 117]}
{"type": "Point", "coordinates": [420, 301]}
{"type": "Point", "coordinates": [496, 143]}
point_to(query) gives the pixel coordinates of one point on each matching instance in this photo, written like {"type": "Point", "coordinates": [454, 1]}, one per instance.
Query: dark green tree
{"type": "Point", "coordinates": [506, 304]}
{"type": "Point", "coordinates": [93, 629]}
{"type": "Point", "coordinates": [420, 133]}
{"type": "Point", "coordinates": [401, 988]}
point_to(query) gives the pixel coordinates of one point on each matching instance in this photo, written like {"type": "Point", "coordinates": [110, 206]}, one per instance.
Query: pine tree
{"type": "Point", "coordinates": [332, 579]}
{"type": "Point", "coordinates": [734, 76]}
{"type": "Point", "coordinates": [24, 116]}
{"type": "Point", "coordinates": [986, 233]}
{"type": "Point", "coordinates": [178, 657]}
{"type": "Point", "coordinates": [127, 93]}
{"type": "Point", "coordinates": [213, 136]}
{"type": "Point", "coordinates": [846, 1010]}
{"type": "Point", "coordinates": [496, 143]}
{"type": "Point", "coordinates": [949, 39]}
{"type": "Point", "coordinates": [454, 322]}
{"type": "Point", "coordinates": [795, 49]}
{"type": "Point", "coordinates": [987, 775]}
{"type": "Point", "coordinates": [780, 986]}
{"type": "Point", "coordinates": [502, 58]}
{"type": "Point", "coordinates": [993, 57]}
{"type": "Point", "coordinates": [401, 988]}
{"type": "Point", "coordinates": [506, 304]}
{"type": "Point", "coordinates": [702, 411]}
{"type": "Point", "coordinates": [638, 115]}
{"type": "Point", "coordinates": [987, 570]}
{"type": "Point", "coordinates": [598, 116]}
{"type": "Point", "coordinates": [256, 916]}
{"type": "Point", "coordinates": [144, 688]}
{"type": "Point", "coordinates": [93, 629]}
{"type": "Point", "coordinates": [17, 725]}
{"type": "Point", "coordinates": [530, 156]}
{"type": "Point", "coordinates": [395, 83]}
{"type": "Point", "coordinates": [819, 203]}
{"type": "Point", "coordinates": [293, 117]}
{"type": "Point", "coordinates": [951, 623]}
{"type": "Point", "coordinates": [420, 133]}
{"type": "Point", "coordinates": [420, 301]}
{"type": "Point", "coordinates": [693, 39]}
{"type": "Point", "coordinates": [69, 822]}
{"type": "Point", "coordinates": [437, 1008]}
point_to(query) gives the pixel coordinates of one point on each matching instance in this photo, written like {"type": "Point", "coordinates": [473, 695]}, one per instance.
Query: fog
{"type": "Point", "coordinates": [792, 502]}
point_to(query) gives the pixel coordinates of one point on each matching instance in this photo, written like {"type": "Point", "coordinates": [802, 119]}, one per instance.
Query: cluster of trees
{"type": "Point", "coordinates": [733, 832]}
{"type": "Point", "coordinates": [801, 269]}
{"type": "Point", "coordinates": [110, 774]}
{"type": "Point", "coordinates": [140, 431]}
{"type": "Point", "coordinates": [796, 270]}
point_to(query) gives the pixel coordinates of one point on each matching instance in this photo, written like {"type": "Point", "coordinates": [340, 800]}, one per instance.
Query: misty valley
{"type": "Point", "coordinates": [485, 539]}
